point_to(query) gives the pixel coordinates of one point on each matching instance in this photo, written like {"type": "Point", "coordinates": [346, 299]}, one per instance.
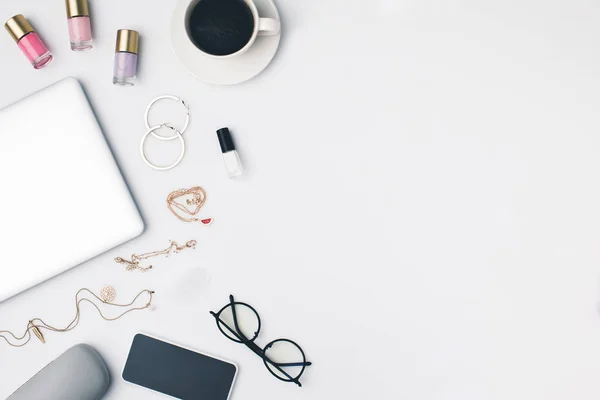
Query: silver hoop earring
{"type": "Point", "coordinates": [180, 131]}
{"type": "Point", "coordinates": [143, 153]}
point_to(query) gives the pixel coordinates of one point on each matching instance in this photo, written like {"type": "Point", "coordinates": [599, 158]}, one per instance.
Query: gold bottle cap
{"type": "Point", "coordinates": [18, 27]}
{"type": "Point", "coordinates": [127, 40]}
{"type": "Point", "coordinates": [77, 8]}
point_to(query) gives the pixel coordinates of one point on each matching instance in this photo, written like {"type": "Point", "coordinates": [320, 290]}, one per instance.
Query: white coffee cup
{"type": "Point", "coordinates": [262, 26]}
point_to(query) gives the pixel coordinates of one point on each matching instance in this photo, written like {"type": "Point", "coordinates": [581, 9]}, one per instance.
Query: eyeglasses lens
{"type": "Point", "coordinates": [248, 322]}
{"type": "Point", "coordinates": [284, 353]}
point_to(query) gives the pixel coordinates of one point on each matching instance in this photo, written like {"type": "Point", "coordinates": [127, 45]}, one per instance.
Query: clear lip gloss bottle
{"type": "Point", "coordinates": [28, 41]}
{"type": "Point", "coordinates": [80, 29]}
{"type": "Point", "coordinates": [126, 57]}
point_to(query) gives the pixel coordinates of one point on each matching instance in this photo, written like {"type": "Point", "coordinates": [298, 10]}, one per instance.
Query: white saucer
{"type": "Point", "coordinates": [227, 71]}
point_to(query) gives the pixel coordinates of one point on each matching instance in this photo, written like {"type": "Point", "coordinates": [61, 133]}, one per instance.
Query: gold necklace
{"type": "Point", "coordinates": [196, 201]}
{"type": "Point", "coordinates": [107, 295]}
{"type": "Point", "coordinates": [134, 263]}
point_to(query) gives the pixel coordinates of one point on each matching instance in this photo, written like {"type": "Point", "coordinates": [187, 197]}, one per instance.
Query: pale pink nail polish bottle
{"type": "Point", "coordinates": [28, 41]}
{"type": "Point", "coordinates": [80, 28]}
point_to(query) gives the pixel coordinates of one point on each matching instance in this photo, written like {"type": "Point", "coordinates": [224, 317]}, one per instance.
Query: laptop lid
{"type": "Point", "coordinates": [63, 199]}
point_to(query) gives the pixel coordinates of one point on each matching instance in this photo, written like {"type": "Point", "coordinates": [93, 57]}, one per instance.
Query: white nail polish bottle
{"type": "Point", "coordinates": [230, 155]}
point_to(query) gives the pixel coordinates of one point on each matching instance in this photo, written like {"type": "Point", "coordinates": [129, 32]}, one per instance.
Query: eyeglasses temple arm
{"type": "Point", "coordinates": [226, 326]}
{"type": "Point", "coordinates": [235, 320]}
{"type": "Point", "coordinates": [250, 344]}
{"type": "Point", "coordinates": [298, 364]}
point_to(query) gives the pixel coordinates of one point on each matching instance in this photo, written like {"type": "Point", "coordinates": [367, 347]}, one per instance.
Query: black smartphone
{"type": "Point", "coordinates": [178, 372]}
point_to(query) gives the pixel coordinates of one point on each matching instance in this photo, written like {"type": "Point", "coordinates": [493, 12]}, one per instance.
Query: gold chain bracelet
{"type": "Point", "coordinates": [134, 263]}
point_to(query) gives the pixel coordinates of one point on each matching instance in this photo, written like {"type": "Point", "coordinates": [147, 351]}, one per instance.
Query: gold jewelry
{"type": "Point", "coordinates": [36, 325]}
{"type": "Point", "coordinates": [197, 201]}
{"type": "Point", "coordinates": [108, 294]}
{"type": "Point", "coordinates": [134, 263]}
{"type": "Point", "coordinates": [36, 331]}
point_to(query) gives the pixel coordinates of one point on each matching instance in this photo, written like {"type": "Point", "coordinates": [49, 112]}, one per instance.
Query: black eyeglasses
{"type": "Point", "coordinates": [280, 356]}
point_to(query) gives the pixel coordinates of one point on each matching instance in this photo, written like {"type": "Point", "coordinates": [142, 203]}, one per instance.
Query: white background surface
{"type": "Point", "coordinates": [421, 208]}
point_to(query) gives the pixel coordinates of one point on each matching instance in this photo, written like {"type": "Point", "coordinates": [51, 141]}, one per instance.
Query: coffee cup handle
{"type": "Point", "coordinates": [268, 26]}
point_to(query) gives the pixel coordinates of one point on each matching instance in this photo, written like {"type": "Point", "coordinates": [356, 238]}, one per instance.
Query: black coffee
{"type": "Point", "coordinates": [221, 27]}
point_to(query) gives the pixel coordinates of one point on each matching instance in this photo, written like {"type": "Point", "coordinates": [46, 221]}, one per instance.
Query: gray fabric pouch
{"type": "Point", "coordinates": [78, 374]}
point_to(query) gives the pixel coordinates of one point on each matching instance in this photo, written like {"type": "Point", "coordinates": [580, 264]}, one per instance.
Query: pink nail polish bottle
{"type": "Point", "coordinates": [80, 28]}
{"type": "Point", "coordinates": [28, 41]}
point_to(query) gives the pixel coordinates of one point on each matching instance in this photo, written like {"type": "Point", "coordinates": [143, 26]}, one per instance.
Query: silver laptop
{"type": "Point", "coordinates": [63, 199]}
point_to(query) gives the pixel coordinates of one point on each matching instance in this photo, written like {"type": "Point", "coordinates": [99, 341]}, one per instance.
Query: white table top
{"type": "Point", "coordinates": [420, 212]}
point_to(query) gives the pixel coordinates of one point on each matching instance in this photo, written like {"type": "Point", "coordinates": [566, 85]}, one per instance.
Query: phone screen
{"type": "Point", "coordinates": [177, 372]}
